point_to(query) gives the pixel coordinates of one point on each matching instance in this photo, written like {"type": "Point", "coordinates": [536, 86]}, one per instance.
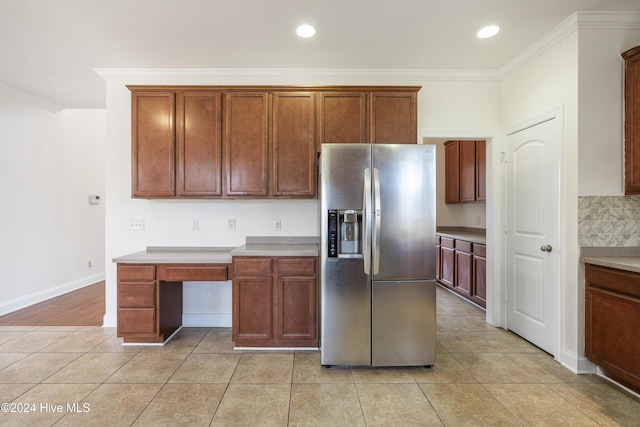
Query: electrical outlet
{"type": "Point", "coordinates": [231, 225]}
{"type": "Point", "coordinates": [277, 225]}
{"type": "Point", "coordinates": [136, 224]}
{"type": "Point", "coordinates": [195, 225]}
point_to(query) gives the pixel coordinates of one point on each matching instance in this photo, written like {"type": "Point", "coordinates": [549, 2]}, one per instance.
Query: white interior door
{"type": "Point", "coordinates": [532, 232]}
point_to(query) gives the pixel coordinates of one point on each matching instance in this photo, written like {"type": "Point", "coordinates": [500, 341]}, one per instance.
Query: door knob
{"type": "Point", "coordinates": [546, 248]}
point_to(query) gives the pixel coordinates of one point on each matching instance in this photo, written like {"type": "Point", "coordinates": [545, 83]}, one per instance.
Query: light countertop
{"type": "Point", "coordinates": [254, 246]}
{"type": "Point", "coordinates": [474, 235]}
{"type": "Point", "coordinates": [622, 258]}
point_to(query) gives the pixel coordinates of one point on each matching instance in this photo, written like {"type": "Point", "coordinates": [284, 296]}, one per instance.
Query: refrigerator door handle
{"type": "Point", "coordinates": [377, 217]}
{"type": "Point", "coordinates": [366, 199]}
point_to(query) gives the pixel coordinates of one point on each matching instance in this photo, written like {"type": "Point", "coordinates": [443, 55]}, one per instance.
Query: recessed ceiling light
{"type": "Point", "coordinates": [305, 31]}
{"type": "Point", "coordinates": [489, 31]}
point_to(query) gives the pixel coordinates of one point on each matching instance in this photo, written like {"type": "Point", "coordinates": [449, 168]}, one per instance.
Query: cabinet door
{"type": "Point", "coordinates": [448, 265]}
{"type": "Point", "coordinates": [463, 273]}
{"type": "Point", "coordinates": [452, 171]}
{"type": "Point", "coordinates": [293, 165]}
{"type": "Point", "coordinates": [394, 118]}
{"type": "Point", "coordinates": [296, 308]}
{"type": "Point", "coordinates": [153, 144]}
{"type": "Point", "coordinates": [246, 143]}
{"type": "Point", "coordinates": [632, 121]}
{"type": "Point", "coordinates": [342, 117]}
{"type": "Point", "coordinates": [252, 308]}
{"type": "Point", "coordinates": [481, 170]}
{"type": "Point", "coordinates": [467, 171]}
{"type": "Point", "coordinates": [479, 292]}
{"type": "Point", "coordinates": [199, 144]}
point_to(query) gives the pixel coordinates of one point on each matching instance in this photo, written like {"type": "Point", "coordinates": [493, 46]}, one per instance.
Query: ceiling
{"type": "Point", "coordinates": [49, 49]}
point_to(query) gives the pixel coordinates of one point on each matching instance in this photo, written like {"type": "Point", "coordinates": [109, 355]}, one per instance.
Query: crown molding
{"type": "Point", "coordinates": [230, 76]}
{"type": "Point", "coordinates": [21, 95]}
{"type": "Point", "coordinates": [577, 21]}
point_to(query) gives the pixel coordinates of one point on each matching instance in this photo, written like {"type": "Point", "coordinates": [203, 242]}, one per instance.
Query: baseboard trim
{"type": "Point", "coordinates": [36, 297]}
{"type": "Point", "coordinates": [576, 364]}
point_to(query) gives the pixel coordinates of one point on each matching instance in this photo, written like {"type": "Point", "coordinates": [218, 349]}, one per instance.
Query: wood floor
{"type": "Point", "coordinates": [84, 307]}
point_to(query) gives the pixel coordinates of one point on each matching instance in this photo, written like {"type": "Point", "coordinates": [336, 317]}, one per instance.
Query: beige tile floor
{"type": "Point", "coordinates": [484, 376]}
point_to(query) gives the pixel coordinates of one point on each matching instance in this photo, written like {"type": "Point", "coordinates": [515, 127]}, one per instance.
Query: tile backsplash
{"type": "Point", "coordinates": [609, 221]}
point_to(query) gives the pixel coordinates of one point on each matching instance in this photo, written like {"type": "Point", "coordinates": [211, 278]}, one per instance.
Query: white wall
{"type": "Point", "coordinates": [548, 81]}
{"type": "Point", "coordinates": [601, 122]}
{"type": "Point", "coordinates": [444, 105]}
{"type": "Point", "coordinates": [49, 164]}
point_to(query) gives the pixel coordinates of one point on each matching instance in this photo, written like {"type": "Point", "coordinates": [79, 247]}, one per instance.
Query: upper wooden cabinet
{"type": "Point", "coordinates": [394, 118]}
{"type": "Point", "coordinates": [153, 144]}
{"type": "Point", "coordinates": [383, 115]}
{"type": "Point", "coordinates": [246, 144]}
{"type": "Point", "coordinates": [342, 117]}
{"type": "Point", "coordinates": [465, 170]}
{"type": "Point", "coordinates": [199, 144]}
{"type": "Point", "coordinates": [255, 142]}
{"type": "Point", "coordinates": [632, 121]}
{"type": "Point", "coordinates": [293, 165]}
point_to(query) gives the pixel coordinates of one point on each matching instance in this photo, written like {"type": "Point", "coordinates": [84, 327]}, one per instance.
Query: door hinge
{"type": "Point", "coordinates": [504, 157]}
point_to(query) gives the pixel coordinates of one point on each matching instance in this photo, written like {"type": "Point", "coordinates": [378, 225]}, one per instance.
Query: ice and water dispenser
{"type": "Point", "coordinates": [345, 232]}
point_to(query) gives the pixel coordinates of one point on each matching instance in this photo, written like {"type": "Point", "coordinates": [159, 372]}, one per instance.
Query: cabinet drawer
{"type": "Point", "coordinates": [447, 242]}
{"type": "Point", "coordinates": [479, 250]}
{"type": "Point", "coordinates": [296, 266]}
{"type": "Point", "coordinates": [624, 282]}
{"type": "Point", "coordinates": [463, 246]}
{"type": "Point", "coordinates": [133, 272]}
{"type": "Point", "coordinates": [136, 321]}
{"type": "Point", "coordinates": [131, 295]}
{"type": "Point", "coordinates": [252, 266]}
{"type": "Point", "coordinates": [195, 273]}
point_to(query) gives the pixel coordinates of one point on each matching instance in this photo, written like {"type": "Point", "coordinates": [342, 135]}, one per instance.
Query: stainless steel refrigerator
{"type": "Point", "coordinates": [377, 275]}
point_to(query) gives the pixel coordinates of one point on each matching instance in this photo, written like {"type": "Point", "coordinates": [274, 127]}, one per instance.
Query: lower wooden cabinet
{"type": "Point", "coordinates": [139, 299]}
{"type": "Point", "coordinates": [275, 302]}
{"type": "Point", "coordinates": [612, 323]}
{"type": "Point", "coordinates": [462, 267]}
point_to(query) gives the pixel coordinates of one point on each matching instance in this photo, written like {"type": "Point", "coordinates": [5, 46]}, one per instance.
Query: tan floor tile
{"type": "Point", "coordinates": [602, 402]}
{"type": "Point", "coordinates": [48, 403]}
{"type": "Point", "coordinates": [148, 368]}
{"type": "Point", "coordinates": [182, 405]}
{"type": "Point", "coordinates": [457, 309]}
{"type": "Point", "coordinates": [31, 342]}
{"type": "Point", "coordinates": [477, 323]}
{"type": "Point", "coordinates": [491, 368]}
{"type": "Point", "coordinates": [307, 369]}
{"type": "Point", "coordinates": [114, 345]}
{"type": "Point", "coordinates": [465, 342]}
{"type": "Point", "coordinates": [264, 368]}
{"type": "Point", "coordinates": [112, 405]}
{"type": "Point", "coordinates": [253, 404]}
{"type": "Point", "coordinates": [8, 392]}
{"type": "Point", "coordinates": [508, 342]}
{"type": "Point", "coordinates": [216, 341]}
{"type": "Point", "coordinates": [183, 342]}
{"type": "Point", "coordinates": [206, 368]}
{"type": "Point", "coordinates": [450, 324]}
{"type": "Point", "coordinates": [76, 342]}
{"type": "Point", "coordinates": [383, 375]}
{"type": "Point", "coordinates": [7, 359]}
{"type": "Point", "coordinates": [447, 370]}
{"type": "Point", "coordinates": [546, 369]}
{"type": "Point", "coordinates": [467, 405]}
{"type": "Point", "coordinates": [536, 404]}
{"type": "Point", "coordinates": [325, 405]}
{"type": "Point", "coordinates": [18, 328]}
{"type": "Point", "coordinates": [36, 367]}
{"type": "Point", "coordinates": [6, 336]}
{"type": "Point", "coordinates": [90, 368]}
{"type": "Point", "coordinates": [396, 404]}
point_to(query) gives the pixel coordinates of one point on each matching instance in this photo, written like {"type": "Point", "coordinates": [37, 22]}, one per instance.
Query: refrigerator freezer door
{"type": "Point", "coordinates": [345, 288]}
{"type": "Point", "coordinates": [405, 219]}
{"type": "Point", "coordinates": [404, 323]}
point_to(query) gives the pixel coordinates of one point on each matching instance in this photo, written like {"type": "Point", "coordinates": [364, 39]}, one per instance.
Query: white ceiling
{"type": "Point", "coordinates": [49, 48]}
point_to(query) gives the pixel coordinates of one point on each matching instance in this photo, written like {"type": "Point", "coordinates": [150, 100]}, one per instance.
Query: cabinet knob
{"type": "Point", "coordinates": [546, 248]}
